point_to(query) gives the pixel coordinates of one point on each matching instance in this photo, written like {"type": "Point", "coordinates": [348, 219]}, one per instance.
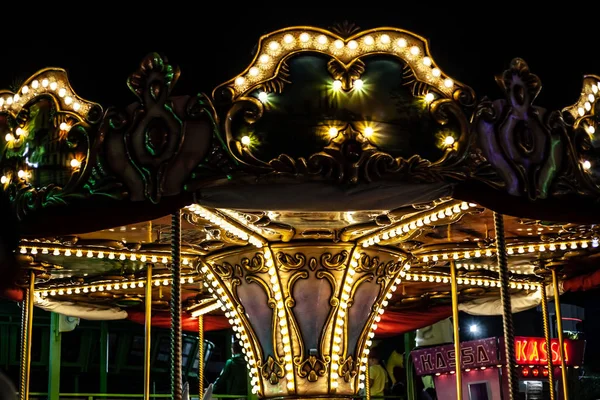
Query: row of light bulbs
{"type": "Point", "coordinates": [466, 281]}
{"type": "Point", "coordinates": [215, 288]}
{"type": "Point", "coordinates": [587, 100]}
{"type": "Point", "coordinates": [280, 45]}
{"type": "Point", "coordinates": [45, 83]}
{"type": "Point", "coordinates": [91, 253]}
{"type": "Point", "coordinates": [511, 250]}
{"type": "Point", "coordinates": [114, 286]}
{"type": "Point", "coordinates": [416, 222]}
{"type": "Point", "coordinates": [473, 267]}
{"type": "Point", "coordinates": [218, 220]}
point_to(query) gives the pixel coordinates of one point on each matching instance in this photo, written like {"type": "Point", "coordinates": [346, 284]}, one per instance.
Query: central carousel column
{"type": "Point", "coordinates": [305, 313]}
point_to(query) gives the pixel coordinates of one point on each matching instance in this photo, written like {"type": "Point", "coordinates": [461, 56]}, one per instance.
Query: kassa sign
{"type": "Point", "coordinates": [533, 351]}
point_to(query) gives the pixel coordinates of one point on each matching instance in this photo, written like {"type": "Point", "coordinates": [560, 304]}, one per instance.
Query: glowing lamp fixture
{"type": "Point", "coordinates": [368, 131]}
{"type": "Point", "coordinates": [333, 132]}
{"type": "Point", "coordinates": [473, 328]}
{"type": "Point", "coordinates": [246, 140]}
{"type": "Point", "coordinates": [337, 84]}
{"type": "Point", "coordinates": [3, 179]}
{"type": "Point", "coordinates": [429, 97]}
{"type": "Point", "coordinates": [263, 97]}
{"type": "Point", "coordinates": [358, 84]}
{"type": "Point", "coordinates": [75, 163]}
{"type": "Point", "coordinates": [586, 164]}
{"type": "Point", "coordinates": [449, 141]}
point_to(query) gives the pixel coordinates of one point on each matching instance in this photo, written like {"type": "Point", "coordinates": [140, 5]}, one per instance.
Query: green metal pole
{"type": "Point", "coordinates": [54, 358]}
{"type": "Point", "coordinates": [103, 357]}
{"type": "Point", "coordinates": [409, 345]}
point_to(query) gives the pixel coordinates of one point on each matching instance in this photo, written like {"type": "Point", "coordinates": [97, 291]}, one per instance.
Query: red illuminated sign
{"type": "Point", "coordinates": [533, 351]}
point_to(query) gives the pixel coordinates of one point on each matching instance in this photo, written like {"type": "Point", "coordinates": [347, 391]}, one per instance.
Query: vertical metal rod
{"type": "Point", "coordinates": [30, 300]}
{"type": "Point", "coordinates": [367, 382]}
{"type": "Point", "coordinates": [23, 381]}
{"type": "Point", "coordinates": [104, 345]}
{"type": "Point", "coordinates": [200, 355]}
{"type": "Point", "coordinates": [561, 343]}
{"type": "Point", "coordinates": [509, 333]}
{"type": "Point", "coordinates": [548, 340]}
{"type": "Point", "coordinates": [176, 359]}
{"type": "Point", "coordinates": [457, 353]}
{"type": "Point", "coordinates": [54, 358]}
{"type": "Point", "coordinates": [148, 330]}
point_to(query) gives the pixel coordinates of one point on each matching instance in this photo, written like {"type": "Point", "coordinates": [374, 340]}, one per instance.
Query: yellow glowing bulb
{"type": "Point", "coordinates": [288, 38]}
{"type": "Point", "coordinates": [240, 80]}
{"type": "Point", "coordinates": [3, 180]}
{"type": "Point", "coordinates": [20, 131]}
{"type": "Point", "coordinates": [35, 84]}
{"type": "Point", "coordinates": [9, 137]}
{"type": "Point", "coordinates": [337, 84]}
{"type": "Point", "coordinates": [358, 84]}
{"type": "Point", "coordinates": [333, 132]}
{"type": "Point", "coordinates": [53, 85]}
{"type": "Point", "coordinates": [322, 39]}
{"type": "Point", "coordinates": [274, 45]}
{"type": "Point", "coordinates": [591, 130]}
{"type": "Point", "coordinates": [368, 131]}
{"type": "Point", "coordinates": [76, 106]}
{"type": "Point", "coordinates": [427, 61]}
{"type": "Point", "coordinates": [304, 37]}
{"type": "Point", "coordinates": [436, 72]}
{"type": "Point", "coordinates": [338, 44]}
{"type": "Point", "coordinates": [263, 97]}
{"type": "Point", "coordinates": [385, 39]}
{"type": "Point", "coordinates": [429, 97]}
{"type": "Point", "coordinates": [448, 83]}
{"type": "Point", "coordinates": [449, 141]}
{"type": "Point", "coordinates": [75, 163]}
{"type": "Point", "coordinates": [26, 89]}
{"type": "Point", "coordinates": [369, 40]}
{"type": "Point", "coordinates": [254, 71]}
{"type": "Point", "coordinates": [64, 126]}
{"type": "Point", "coordinates": [68, 100]}
{"type": "Point", "coordinates": [353, 45]}
{"type": "Point", "coordinates": [586, 165]}
{"type": "Point", "coordinates": [246, 140]}
{"type": "Point", "coordinates": [45, 82]}
{"type": "Point", "coordinates": [401, 42]}
{"type": "Point", "coordinates": [414, 50]}
{"type": "Point", "coordinates": [264, 58]}
{"type": "Point", "coordinates": [21, 174]}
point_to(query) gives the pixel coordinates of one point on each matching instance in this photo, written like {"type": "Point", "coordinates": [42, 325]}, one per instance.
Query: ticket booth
{"type": "Point", "coordinates": [484, 367]}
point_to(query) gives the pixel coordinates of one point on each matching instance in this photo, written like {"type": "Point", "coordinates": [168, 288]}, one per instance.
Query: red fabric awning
{"type": "Point", "coordinates": [397, 322]}
{"type": "Point", "coordinates": [190, 324]}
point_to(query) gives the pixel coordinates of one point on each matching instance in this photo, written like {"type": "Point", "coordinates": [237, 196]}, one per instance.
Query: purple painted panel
{"type": "Point", "coordinates": [260, 315]}
{"type": "Point", "coordinates": [475, 353]}
{"type": "Point", "coordinates": [365, 296]}
{"type": "Point", "coordinates": [312, 297]}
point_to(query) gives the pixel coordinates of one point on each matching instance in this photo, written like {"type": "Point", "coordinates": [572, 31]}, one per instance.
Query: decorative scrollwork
{"type": "Point", "coordinates": [519, 139]}
{"type": "Point", "coordinates": [288, 262]}
{"type": "Point", "coordinates": [272, 371]}
{"type": "Point", "coordinates": [346, 73]}
{"type": "Point", "coordinates": [148, 146]}
{"type": "Point", "coordinates": [348, 369]}
{"type": "Point", "coordinates": [224, 270]}
{"type": "Point", "coordinates": [334, 261]}
{"type": "Point", "coordinates": [312, 368]}
{"type": "Point", "coordinates": [254, 265]}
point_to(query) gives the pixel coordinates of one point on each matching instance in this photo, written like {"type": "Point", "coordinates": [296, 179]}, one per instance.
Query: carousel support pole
{"type": "Point", "coordinates": [148, 329]}
{"type": "Point", "coordinates": [176, 361]}
{"type": "Point", "coordinates": [409, 345]}
{"type": "Point", "coordinates": [54, 358]}
{"type": "Point", "coordinates": [27, 328]}
{"type": "Point", "coordinates": [200, 355]}
{"type": "Point", "coordinates": [509, 335]}
{"type": "Point", "coordinates": [457, 353]}
{"type": "Point", "coordinates": [104, 338]}
{"type": "Point", "coordinates": [561, 343]}
{"type": "Point", "coordinates": [547, 337]}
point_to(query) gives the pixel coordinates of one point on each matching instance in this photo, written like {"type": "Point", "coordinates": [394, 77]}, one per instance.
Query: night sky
{"type": "Point", "coordinates": [101, 48]}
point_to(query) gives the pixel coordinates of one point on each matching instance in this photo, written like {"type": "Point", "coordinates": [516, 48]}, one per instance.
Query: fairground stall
{"type": "Point", "coordinates": [341, 186]}
{"type": "Point", "coordinates": [484, 369]}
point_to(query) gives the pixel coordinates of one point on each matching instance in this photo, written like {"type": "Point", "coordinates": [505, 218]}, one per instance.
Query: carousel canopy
{"type": "Point", "coordinates": [334, 139]}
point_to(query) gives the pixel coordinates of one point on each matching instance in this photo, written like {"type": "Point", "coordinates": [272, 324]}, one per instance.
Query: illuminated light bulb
{"type": "Point", "coordinates": [20, 131]}
{"type": "Point", "coordinates": [263, 97]}
{"type": "Point", "coordinates": [75, 163]}
{"type": "Point", "coordinates": [304, 37]}
{"type": "Point", "coordinates": [26, 89]}
{"type": "Point", "coordinates": [385, 39]}
{"type": "Point", "coordinates": [586, 164]}
{"type": "Point", "coordinates": [53, 85]}
{"type": "Point", "coordinates": [401, 42]}
{"type": "Point", "coordinates": [338, 44]}
{"type": "Point", "coordinates": [358, 84]}
{"type": "Point", "coordinates": [353, 45]}
{"type": "Point", "coordinates": [427, 61]}
{"type": "Point", "coordinates": [62, 92]}
{"type": "Point", "coordinates": [368, 131]}
{"type": "Point", "coordinates": [9, 101]}
{"type": "Point", "coordinates": [9, 137]}
{"type": "Point", "coordinates": [16, 98]}
{"type": "Point", "coordinates": [587, 106]}
{"type": "Point", "coordinates": [322, 39]}
{"type": "Point", "coordinates": [337, 84]}
{"type": "Point", "coordinates": [264, 58]}
{"type": "Point", "coordinates": [273, 45]}
{"type": "Point", "coordinates": [64, 126]}
{"type": "Point", "coordinates": [414, 50]}
{"type": "Point", "coordinates": [3, 179]}
{"type": "Point", "coordinates": [591, 97]}
{"type": "Point", "coordinates": [429, 97]}
{"type": "Point", "coordinates": [76, 106]}
{"type": "Point", "coordinates": [21, 174]}
{"type": "Point", "coordinates": [245, 140]}
{"type": "Point", "coordinates": [253, 71]}
{"type": "Point", "coordinates": [594, 89]}
{"type": "Point", "coordinates": [45, 82]}
{"type": "Point", "coordinates": [591, 130]}
{"type": "Point", "coordinates": [581, 111]}
{"type": "Point", "coordinates": [448, 82]}
{"type": "Point", "coordinates": [449, 141]}
{"type": "Point", "coordinates": [333, 132]}
{"type": "Point", "coordinates": [436, 72]}
{"type": "Point", "coordinates": [1, 101]}
{"type": "Point", "coordinates": [240, 80]}
{"type": "Point", "coordinates": [35, 84]}
{"type": "Point", "coordinates": [369, 40]}
{"type": "Point", "coordinates": [288, 38]}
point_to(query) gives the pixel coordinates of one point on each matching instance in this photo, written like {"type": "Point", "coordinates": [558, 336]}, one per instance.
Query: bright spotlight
{"type": "Point", "coordinates": [473, 329]}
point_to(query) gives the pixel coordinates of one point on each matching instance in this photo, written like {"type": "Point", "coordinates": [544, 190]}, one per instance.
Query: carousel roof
{"type": "Point", "coordinates": [334, 137]}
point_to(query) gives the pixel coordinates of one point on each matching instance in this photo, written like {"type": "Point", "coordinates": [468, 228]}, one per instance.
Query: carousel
{"type": "Point", "coordinates": [340, 188]}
